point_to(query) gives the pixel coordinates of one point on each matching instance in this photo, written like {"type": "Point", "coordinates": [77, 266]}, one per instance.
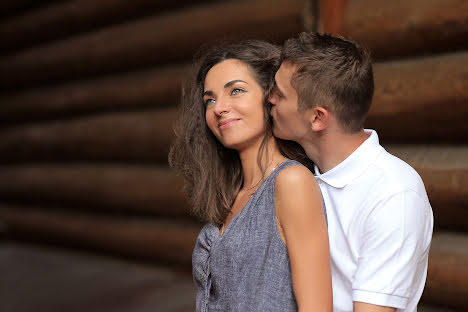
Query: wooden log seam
{"type": "Point", "coordinates": [137, 189]}
{"type": "Point", "coordinates": [159, 191]}
{"type": "Point", "coordinates": [400, 27]}
{"type": "Point", "coordinates": [154, 88]}
{"type": "Point", "coordinates": [64, 19]}
{"type": "Point", "coordinates": [152, 239]}
{"type": "Point", "coordinates": [444, 167]}
{"type": "Point", "coordinates": [407, 101]}
{"type": "Point", "coordinates": [447, 280]}
{"type": "Point", "coordinates": [406, 105]}
{"type": "Point", "coordinates": [124, 137]}
{"type": "Point", "coordinates": [159, 39]}
{"type": "Point", "coordinates": [444, 171]}
{"type": "Point", "coordinates": [414, 95]}
{"type": "Point", "coordinates": [173, 242]}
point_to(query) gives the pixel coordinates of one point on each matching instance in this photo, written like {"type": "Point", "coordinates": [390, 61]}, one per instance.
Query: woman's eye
{"type": "Point", "coordinates": [236, 91]}
{"type": "Point", "coordinates": [209, 102]}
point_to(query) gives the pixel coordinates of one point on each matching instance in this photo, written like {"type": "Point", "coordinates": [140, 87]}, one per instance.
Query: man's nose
{"type": "Point", "coordinates": [272, 99]}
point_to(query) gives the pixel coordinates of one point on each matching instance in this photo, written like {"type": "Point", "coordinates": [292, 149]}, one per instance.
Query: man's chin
{"type": "Point", "coordinates": [279, 134]}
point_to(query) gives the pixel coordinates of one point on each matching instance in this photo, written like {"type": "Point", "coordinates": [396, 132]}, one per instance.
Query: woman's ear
{"type": "Point", "coordinates": [318, 118]}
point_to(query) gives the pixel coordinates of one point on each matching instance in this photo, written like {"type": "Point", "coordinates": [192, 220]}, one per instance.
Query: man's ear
{"type": "Point", "coordinates": [318, 118]}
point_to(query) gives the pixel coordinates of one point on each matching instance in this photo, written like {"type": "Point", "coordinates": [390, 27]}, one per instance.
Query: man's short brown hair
{"type": "Point", "coordinates": [332, 72]}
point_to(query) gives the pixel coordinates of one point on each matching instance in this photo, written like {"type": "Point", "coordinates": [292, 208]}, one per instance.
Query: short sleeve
{"type": "Point", "coordinates": [393, 251]}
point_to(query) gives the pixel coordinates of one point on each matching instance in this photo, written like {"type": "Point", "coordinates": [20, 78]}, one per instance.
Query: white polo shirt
{"type": "Point", "coordinates": [380, 226]}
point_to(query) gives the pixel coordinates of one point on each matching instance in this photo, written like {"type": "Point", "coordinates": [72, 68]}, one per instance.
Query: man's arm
{"type": "Point", "coordinates": [365, 307]}
{"type": "Point", "coordinates": [393, 252]}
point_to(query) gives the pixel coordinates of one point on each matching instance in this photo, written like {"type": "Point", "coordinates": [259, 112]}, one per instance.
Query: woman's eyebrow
{"type": "Point", "coordinates": [230, 83]}
{"type": "Point", "coordinates": [208, 92]}
{"type": "Point", "coordinates": [227, 85]}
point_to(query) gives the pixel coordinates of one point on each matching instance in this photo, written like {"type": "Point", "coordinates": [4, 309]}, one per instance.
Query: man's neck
{"type": "Point", "coordinates": [329, 148]}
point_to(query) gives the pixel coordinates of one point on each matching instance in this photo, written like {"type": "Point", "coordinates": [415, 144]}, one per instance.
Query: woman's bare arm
{"type": "Point", "coordinates": [302, 225]}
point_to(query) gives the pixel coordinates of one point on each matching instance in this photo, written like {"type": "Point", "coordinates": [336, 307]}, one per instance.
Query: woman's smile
{"type": "Point", "coordinates": [227, 123]}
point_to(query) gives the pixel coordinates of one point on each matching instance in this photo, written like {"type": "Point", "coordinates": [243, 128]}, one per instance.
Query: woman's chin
{"type": "Point", "coordinates": [237, 145]}
{"type": "Point", "coordinates": [232, 145]}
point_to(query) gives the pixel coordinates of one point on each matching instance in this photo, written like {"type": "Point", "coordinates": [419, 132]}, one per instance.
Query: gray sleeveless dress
{"type": "Point", "coordinates": [247, 268]}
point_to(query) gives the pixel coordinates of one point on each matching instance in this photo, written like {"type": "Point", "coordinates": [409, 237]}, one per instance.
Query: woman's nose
{"type": "Point", "coordinates": [221, 107]}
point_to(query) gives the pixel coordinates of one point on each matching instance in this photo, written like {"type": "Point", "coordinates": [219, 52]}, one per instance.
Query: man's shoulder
{"type": "Point", "coordinates": [394, 175]}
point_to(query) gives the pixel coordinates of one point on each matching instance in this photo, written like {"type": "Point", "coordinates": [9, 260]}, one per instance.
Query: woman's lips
{"type": "Point", "coordinates": [224, 124]}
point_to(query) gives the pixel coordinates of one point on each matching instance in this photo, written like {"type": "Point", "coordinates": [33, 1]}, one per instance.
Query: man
{"type": "Point", "coordinates": [379, 217]}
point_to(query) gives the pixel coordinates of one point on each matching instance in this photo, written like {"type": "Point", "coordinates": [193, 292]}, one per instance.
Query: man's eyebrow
{"type": "Point", "coordinates": [230, 83]}
{"type": "Point", "coordinates": [277, 88]}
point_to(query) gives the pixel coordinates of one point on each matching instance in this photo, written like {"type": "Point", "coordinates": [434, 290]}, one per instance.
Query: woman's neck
{"type": "Point", "coordinates": [270, 159]}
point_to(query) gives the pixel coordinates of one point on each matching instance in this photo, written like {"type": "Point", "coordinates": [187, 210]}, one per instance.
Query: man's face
{"type": "Point", "coordinates": [289, 124]}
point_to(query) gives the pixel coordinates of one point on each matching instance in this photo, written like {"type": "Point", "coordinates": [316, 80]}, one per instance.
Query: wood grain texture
{"type": "Point", "coordinates": [67, 18]}
{"type": "Point", "coordinates": [402, 27]}
{"type": "Point", "coordinates": [172, 241]}
{"type": "Point", "coordinates": [153, 88]}
{"type": "Point", "coordinates": [104, 188]}
{"type": "Point", "coordinates": [154, 40]}
{"type": "Point", "coordinates": [411, 97]}
{"type": "Point", "coordinates": [447, 280]}
{"type": "Point", "coordinates": [444, 171]}
{"type": "Point", "coordinates": [124, 137]}
{"type": "Point", "coordinates": [166, 240]}
{"type": "Point", "coordinates": [422, 99]}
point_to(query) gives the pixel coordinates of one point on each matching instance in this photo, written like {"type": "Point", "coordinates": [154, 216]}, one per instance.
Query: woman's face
{"type": "Point", "coordinates": [234, 105]}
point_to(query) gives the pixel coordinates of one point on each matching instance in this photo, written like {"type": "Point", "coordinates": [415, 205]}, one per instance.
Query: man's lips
{"type": "Point", "coordinates": [227, 123]}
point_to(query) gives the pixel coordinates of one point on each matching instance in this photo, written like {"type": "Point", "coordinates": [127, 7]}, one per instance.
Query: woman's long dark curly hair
{"type": "Point", "coordinates": [212, 172]}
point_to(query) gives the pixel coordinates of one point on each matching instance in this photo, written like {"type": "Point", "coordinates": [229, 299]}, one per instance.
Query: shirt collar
{"type": "Point", "coordinates": [354, 165]}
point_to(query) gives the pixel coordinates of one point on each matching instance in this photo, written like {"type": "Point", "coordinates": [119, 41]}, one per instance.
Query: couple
{"type": "Point", "coordinates": [254, 119]}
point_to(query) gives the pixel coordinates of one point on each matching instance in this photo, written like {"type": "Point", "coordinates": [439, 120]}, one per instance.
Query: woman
{"type": "Point", "coordinates": [265, 247]}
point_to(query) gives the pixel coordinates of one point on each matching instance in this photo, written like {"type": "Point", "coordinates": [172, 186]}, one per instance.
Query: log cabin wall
{"type": "Point", "coordinates": [88, 91]}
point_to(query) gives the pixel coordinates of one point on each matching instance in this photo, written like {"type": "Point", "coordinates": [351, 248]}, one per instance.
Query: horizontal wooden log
{"type": "Point", "coordinates": [154, 40]}
{"type": "Point", "coordinates": [447, 281]}
{"type": "Point", "coordinates": [66, 18]}
{"type": "Point", "coordinates": [407, 101]}
{"type": "Point", "coordinates": [145, 238]}
{"type": "Point", "coordinates": [139, 90]}
{"type": "Point", "coordinates": [444, 170]}
{"type": "Point", "coordinates": [155, 240]}
{"type": "Point", "coordinates": [402, 27]}
{"type": "Point", "coordinates": [136, 189]}
{"type": "Point", "coordinates": [139, 137]}
{"type": "Point", "coordinates": [421, 100]}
